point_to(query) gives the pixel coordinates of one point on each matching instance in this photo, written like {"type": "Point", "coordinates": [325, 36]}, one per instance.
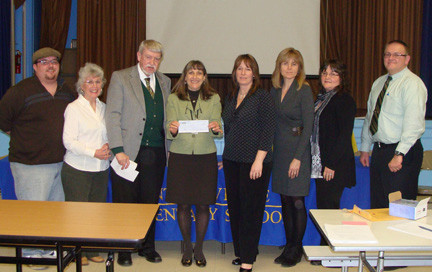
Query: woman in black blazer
{"type": "Point", "coordinates": [333, 164]}
{"type": "Point", "coordinates": [249, 122]}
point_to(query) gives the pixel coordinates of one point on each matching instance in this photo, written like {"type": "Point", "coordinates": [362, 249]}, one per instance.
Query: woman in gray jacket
{"type": "Point", "coordinates": [291, 162]}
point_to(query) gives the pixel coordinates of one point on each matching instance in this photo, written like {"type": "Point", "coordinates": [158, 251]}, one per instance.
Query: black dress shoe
{"type": "Point", "coordinates": [150, 255]}
{"type": "Point", "coordinates": [391, 268]}
{"type": "Point", "coordinates": [236, 261]}
{"type": "Point", "coordinates": [124, 259]}
{"type": "Point", "coordinates": [245, 269]}
{"type": "Point", "coordinates": [315, 262]}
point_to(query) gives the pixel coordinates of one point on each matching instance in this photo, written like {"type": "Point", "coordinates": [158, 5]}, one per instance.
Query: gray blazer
{"type": "Point", "coordinates": [125, 109]}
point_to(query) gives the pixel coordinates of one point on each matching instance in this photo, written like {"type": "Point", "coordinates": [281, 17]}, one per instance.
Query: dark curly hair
{"type": "Point", "coordinates": [340, 68]}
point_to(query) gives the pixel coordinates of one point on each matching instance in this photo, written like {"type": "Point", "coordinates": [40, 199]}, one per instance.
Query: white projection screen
{"type": "Point", "coordinates": [217, 31]}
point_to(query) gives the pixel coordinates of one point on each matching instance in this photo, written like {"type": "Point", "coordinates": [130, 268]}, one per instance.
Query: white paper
{"type": "Point", "coordinates": [128, 173]}
{"type": "Point", "coordinates": [193, 126]}
{"type": "Point", "coordinates": [413, 228]}
{"type": "Point", "coordinates": [350, 234]}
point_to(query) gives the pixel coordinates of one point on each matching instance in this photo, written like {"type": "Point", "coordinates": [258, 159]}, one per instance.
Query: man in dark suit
{"type": "Point", "coordinates": [135, 115]}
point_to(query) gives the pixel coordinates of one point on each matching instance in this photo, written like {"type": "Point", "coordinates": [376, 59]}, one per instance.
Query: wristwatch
{"type": "Point", "coordinates": [398, 153]}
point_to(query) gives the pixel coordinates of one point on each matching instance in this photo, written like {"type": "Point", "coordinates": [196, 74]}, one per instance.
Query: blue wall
{"type": "Point", "coordinates": [32, 27]}
{"type": "Point", "coordinates": [29, 42]}
{"type": "Point", "coordinates": [424, 179]}
{"type": "Point", "coordinates": [72, 34]}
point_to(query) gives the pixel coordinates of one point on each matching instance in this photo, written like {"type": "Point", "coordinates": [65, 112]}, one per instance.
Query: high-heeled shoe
{"type": "Point", "coordinates": [200, 263]}
{"type": "Point", "coordinates": [186, 260]}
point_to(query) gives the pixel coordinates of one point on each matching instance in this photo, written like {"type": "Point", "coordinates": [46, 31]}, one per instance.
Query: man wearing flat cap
{"type": "Point", "coordinates": [32, 113]}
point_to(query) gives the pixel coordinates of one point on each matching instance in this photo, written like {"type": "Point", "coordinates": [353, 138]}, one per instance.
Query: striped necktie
{"type": "Point", "coordinates": [149, 88]}
{"type": "Point", "coordinates": [374, 121]}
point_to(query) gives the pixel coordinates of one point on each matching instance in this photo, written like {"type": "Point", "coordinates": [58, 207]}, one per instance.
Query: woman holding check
{"type": "Point", "coordinates": [192, 163]}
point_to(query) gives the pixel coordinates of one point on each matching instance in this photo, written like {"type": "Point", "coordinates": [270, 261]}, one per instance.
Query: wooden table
{"type": "Point", "coordinates": [69, 226]}
{"type": "Point", "coordinates": [388, 240]}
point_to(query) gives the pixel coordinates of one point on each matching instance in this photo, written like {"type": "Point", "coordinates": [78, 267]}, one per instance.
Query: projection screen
{"type": "Point", "coordinates": [217, 31]}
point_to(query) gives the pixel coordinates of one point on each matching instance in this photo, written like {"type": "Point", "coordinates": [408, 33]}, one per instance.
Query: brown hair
{"type": "Point", "coordinates": [285, 55]}
{"type": "Point", "coordinates": [338, 67]}
{"type": "Point", "coordinates": [206, 90]}
{"type": "Point", "coordinates": [250, 62]}
{"type": "Point", "coordinates": [407, 50]}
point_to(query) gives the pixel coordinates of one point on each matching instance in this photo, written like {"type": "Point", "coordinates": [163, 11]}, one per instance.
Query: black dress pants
{"type": "Point", "coordinates": [383, 181]}
{"type": "Point", "coordinates": [246, 203]}
{"type": "Point", "coordinates": [328, 196]}
{"type": "Point", "coordinates": [146, 187]}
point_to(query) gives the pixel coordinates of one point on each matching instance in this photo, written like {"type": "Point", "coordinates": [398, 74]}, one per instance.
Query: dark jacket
{"type": "Point", "coordinates": [335, 132]}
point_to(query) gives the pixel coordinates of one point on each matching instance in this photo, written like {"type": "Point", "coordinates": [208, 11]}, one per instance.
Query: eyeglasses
{"type": "Point", "coordinates": [46, 62]}
{"type": "Point", "coordinates": [394, 55]}
{"type": "Point", "coordinates": [91, 82]}
{"type": "Point", "coordinates": [332, 74]}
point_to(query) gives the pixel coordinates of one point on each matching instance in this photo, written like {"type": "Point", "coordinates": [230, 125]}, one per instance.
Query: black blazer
{"type": "Point", "coordinates": [335, 131]}
{"type": "Point", "coordinates": [250, 127]}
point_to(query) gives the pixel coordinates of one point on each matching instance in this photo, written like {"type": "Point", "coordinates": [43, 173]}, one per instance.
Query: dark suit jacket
{"type": "Point", "coordinates": [335, 131]}
{"type": "Point", "coordinates": [125, 110]}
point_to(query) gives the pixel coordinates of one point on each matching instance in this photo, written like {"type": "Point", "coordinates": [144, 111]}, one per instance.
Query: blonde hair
{"type": "Point", "coordinates": [284, 55]}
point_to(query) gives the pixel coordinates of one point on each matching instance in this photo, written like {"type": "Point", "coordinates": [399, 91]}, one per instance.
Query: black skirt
{"type": "Point", "coordinates": [192, 179]}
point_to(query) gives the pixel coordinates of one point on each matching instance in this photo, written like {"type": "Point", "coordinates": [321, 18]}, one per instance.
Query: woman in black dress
{"type": "Point", "coordinates": [291, 159]}
{"type": "Point", "coordinates": [192, 164]}
{"type": "Point", "coordinates": [249, 122]}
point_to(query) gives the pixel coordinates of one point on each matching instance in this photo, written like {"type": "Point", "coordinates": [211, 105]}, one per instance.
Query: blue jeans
{"type": "Point", "coordinates": [38, 182]}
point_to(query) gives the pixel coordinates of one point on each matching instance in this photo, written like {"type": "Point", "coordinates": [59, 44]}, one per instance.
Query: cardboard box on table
{"type": "Point", "coordinates": [410, 209]}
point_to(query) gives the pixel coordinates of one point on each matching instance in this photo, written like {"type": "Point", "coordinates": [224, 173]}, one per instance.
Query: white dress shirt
{"type": "Point", "coordinates": [84, 131]}
{"type": "Point", "coordinates": [144, 76]}
{"type": "Point", "coordinates": [402, 116]}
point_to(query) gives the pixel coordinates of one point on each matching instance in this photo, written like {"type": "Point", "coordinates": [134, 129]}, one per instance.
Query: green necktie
{"type": "Point", "coordinates": [149, 88]}
{"type": "Point", "coordinates": [374, 121]}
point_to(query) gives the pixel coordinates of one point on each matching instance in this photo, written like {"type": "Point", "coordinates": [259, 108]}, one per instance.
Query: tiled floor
{"type": "Point", "coordinates": [170, 252]}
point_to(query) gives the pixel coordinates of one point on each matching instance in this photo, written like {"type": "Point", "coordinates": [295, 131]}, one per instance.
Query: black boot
{"type": "Point", "coordinates": [294, 256]}
{"type": "Point", "coordinates": [283, 255]}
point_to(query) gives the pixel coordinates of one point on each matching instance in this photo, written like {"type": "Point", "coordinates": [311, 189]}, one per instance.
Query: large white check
{"type": "Point", "coordinates": [193, 126]}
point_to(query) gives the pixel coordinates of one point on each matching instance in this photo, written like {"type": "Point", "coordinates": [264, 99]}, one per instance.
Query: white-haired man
{"type": "Point", "coordinates": [135, 115]}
